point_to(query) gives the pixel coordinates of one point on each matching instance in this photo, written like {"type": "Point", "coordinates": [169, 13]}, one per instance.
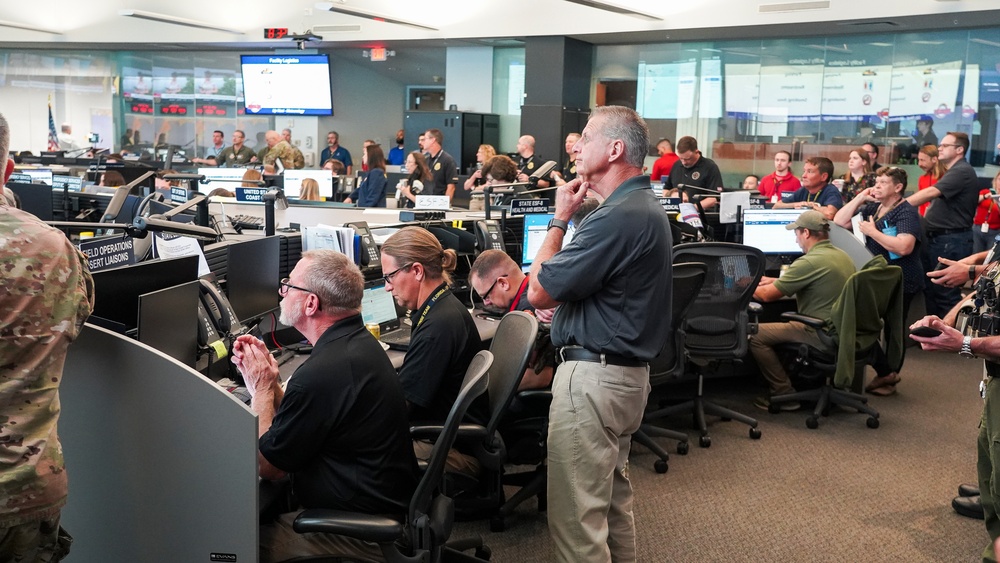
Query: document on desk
{"type": "Point", "coordinates": [340, 239]}
{"type": "Point", "coordinates": [856, 225]}
{"type": "Point", "coordinates": [168, 245]}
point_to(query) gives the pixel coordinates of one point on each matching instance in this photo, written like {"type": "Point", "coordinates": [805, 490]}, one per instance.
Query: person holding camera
{"type": "Point", "coordinates": [419, 175]}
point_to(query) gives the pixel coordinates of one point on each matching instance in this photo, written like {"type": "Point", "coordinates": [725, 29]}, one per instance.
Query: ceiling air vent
{"type": "Point", "coordinates": [793, 6]}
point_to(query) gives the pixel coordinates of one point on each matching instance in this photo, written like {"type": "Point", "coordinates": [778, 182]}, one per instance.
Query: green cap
{"type": "Point", "coordinates": [812, 220]}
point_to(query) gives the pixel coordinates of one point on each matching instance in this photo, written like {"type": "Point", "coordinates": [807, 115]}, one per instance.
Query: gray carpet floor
{"type": "Point", "coordinates": [843, 492]}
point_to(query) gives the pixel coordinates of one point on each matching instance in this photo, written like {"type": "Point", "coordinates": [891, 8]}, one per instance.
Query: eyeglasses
{"type": "Point", "coordinates": [485, 296]}
{"type": "Point", "coordinates": [284, 286]}
{"type": "Point", "coordinates": [388, 277]}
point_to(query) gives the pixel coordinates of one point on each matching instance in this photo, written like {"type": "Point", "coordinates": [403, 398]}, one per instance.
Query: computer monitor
{"type": "Point", "coordinates": [35, 199]}
{"type": "Point", "coordinates": [764, 229]}
{"type": "Point", "coordinates": [220, 178]}
{"type": "Point", "coordinates": [378, 306]}
{"type": "Point", "coordinates": [117, 291]}
{"type": "Point", "coordinates": [293, 182]}
{"type": "Point", "coordinates": [252, 275]}
{"type": "Point", "coordinates": [168, 321]}
{"type": "Point", "coordinates": [536, 225]}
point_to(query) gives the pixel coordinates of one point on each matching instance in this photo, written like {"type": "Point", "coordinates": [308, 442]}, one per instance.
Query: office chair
{"type": "Point", "coordinates": [512, 347]}
{"type": "Point", "coordinates": [871, 301]}
{"type": "Point", "coordinates": [422, 537]}
{"type": "Point", "coordinates": [718, 326]}
{"type": "Point", "coordinates": [669, 364]}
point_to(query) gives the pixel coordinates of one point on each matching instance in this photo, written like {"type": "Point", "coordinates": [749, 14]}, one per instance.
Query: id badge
{"type": "Point", "coordinates": [982, 389]}
{"type": "Point", "coordinates": [985, 228]}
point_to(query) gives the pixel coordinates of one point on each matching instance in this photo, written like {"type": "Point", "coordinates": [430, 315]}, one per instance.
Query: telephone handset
{"type": "Point", "coordinates": [368, 255]}
{"type": "Point", "coordinates": [206, 327]}
{"type": "Point", "coordinates": [219, 311]}
{"type": "Point", "coordinates": [489, 236]}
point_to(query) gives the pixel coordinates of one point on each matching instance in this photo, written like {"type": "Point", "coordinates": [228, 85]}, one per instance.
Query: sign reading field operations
{"type": "Point", "coordinates": [110, 252]}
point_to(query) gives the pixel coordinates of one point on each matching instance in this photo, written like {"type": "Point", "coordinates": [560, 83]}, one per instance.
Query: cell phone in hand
{"type": "Point", "coordinates": [925, 332]}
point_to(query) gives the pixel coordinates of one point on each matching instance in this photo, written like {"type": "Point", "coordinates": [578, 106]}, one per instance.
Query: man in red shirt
{"type": "Point", "coordinates": [666, 161]}
{"type": "Point", "coordinates": [781, 180]}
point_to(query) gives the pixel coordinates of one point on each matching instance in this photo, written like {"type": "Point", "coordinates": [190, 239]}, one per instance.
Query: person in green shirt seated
{"type": "Point", "coordinates": [816, 280]}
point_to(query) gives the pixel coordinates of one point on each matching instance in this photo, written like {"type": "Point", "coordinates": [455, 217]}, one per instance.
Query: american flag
{"type": "Point", "coordinates": [53, 136]}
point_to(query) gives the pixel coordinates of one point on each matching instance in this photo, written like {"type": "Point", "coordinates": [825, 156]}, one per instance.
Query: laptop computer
{"type": "Point", "coordinates": [378, 306]}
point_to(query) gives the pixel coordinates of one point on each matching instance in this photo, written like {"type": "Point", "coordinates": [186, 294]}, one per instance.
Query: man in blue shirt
{"type": "Point", "coordinates": [335, 151]}
{"type": "Point", "coordinates": [817, 192]}
{"type": "Point", "coordinates": [397, 154]}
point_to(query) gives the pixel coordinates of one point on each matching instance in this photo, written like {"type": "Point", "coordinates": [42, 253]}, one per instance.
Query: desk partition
{"type": "Point", "coordinates": [162, 462]}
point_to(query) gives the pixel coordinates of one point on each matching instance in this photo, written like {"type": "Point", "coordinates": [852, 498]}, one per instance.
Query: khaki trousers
{"type": "Point", "coordinates": [762, 346]}
{"type": "Point", "coordinates": [279, 542]}
{"type": "Point", "coordinates": [594, 412]}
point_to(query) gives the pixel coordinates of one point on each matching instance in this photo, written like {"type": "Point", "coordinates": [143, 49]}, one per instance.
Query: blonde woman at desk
{"type": "Point", "coordinates": [892, 228]}
{"type": "Point", "coordinates": [310, 190]}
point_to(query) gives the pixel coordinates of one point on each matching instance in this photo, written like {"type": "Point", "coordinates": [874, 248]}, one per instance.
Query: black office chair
{"type": "Point", "coordinates": [422, 537]}
{"type": "Point", "coordinates": [512, 347]}
{"type": "Point", "coordinates": [670, 363]}
{"type": "Point", "coordinates": [718, 326]}
{"type": "Point", "coordinates": [871, 302]}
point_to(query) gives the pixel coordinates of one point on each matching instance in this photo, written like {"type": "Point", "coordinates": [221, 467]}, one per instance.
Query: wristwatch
{"type": "Point", "coordinates": [558, 224]}
{"type": "Point", "coordinates": [972, 273]}
{"type": "Point", "coordinates": [966, 351]}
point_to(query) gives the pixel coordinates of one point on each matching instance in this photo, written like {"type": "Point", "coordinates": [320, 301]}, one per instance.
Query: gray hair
{"type": "Point", "coordinates": [335, 279]}
{"type": "Point", "coordinates": [624, 124]}
{"type": "Point", "coordinates": [4, 144]}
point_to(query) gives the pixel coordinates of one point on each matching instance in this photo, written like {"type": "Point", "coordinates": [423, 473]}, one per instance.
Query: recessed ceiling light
{"type": "Point", "coordinates": [175, 20]}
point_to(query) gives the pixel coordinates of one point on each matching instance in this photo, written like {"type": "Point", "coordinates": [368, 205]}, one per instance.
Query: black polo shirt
{"type": "Point", "coordinates": [614, 277]}
{"type": "Point", "coordinates": [704, 174]}
{"type": "Point", "coordinates": [956, 208]}
{"type": "Point", "coordinates": [529, 165]}
{"type": "Point", "coordinates": [445, 172]}
{"type": "Point", "coordinates": [441, 349]}
{"type": "Point", "coordinates": [569, 169]}
{"type": "Point", "coordinates": [341, 429]}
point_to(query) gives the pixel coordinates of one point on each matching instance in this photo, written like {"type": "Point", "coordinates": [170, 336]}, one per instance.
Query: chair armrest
{"type": "Point", "coordinates": [466, 432]}
{"type": "Point", "coordinates": [535, 399]}
{"type": "Point", "coordinates": [368, 527]}
{"type": "Point", "coordinates": [755, 308]}
{"type": "Point", "coordinates": [808, 321]}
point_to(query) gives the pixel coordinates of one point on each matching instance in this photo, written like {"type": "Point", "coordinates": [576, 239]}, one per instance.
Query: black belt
{"type": "Point", "coordinates": [939, 232]}
{"type": "Point", "coordinates": [577, 354]}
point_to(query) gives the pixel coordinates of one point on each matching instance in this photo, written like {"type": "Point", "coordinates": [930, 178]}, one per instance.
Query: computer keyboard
{"type": "Point", "coordinates": [247, 222]}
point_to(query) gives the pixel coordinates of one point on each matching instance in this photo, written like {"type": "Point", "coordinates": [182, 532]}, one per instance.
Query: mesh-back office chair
{"type": "Point", "coordinates": [669, 364]}
{"type": "Point", "coordinates": [422, 538]}
{"type": "Point", "coordinates": [718, 326]}
{"type": "Point", "coordinates": [512, 347]}
{"type": "Point", "coordinates": [871, 301]}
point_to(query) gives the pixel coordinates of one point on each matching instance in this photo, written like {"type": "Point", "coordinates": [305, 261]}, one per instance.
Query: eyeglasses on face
{"type": "Point", "coordinates": [284, 286]}
{"type": "Point", "coordinates": [388, 277]}
{"type": "Point", "coordinates": [484, 296]}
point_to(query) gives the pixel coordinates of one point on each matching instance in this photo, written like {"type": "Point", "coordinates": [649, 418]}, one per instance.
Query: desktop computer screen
{"type": "Point", "coordinates": [252, 276]}
{"type": "Point", "coordinates": [536, 225]}
{"type": "Point", "coordinates": [765, 230]}
{"type": "Point", "coordinates": [293, 182]}
{"type": "Point", "coordinates": [35, 198]}
{"type": "Point", "coordinates": [168, 321]}
{"type": "Point", "coordinates": [117, 291]}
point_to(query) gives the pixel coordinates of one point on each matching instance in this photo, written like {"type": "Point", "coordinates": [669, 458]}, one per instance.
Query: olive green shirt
{"type": "Point", "coordinates": [817, 279]}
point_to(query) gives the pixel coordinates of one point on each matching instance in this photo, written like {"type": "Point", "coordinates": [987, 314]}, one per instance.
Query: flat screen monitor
{"type": "Point", "coordinates": [117, 291]}
{"type": "Point", "coordinates": [536, 225]}
{"type": "Point", "coordinates": [35, 198]}
{"type": "Point", "coordinates": [168, 321]}
{"type": "Point", "coordinates": [293, 182]}
{"type": "Point", "coordinates": [226, 178]}
{"type": "Point", "coordinates": [764, 229]}
{"type": "Point", "coordinates": [378, 306]}
{"type": "Point", "coordinates": [287, 84]}
{"type": "Point", "coordinates": [252, 276]}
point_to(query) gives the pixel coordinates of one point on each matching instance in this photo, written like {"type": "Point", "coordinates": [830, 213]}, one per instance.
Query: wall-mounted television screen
{"type": "Point", "coordinates": [287, 84]}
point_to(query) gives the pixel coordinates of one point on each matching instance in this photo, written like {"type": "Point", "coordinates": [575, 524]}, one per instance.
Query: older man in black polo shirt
{"type": "Point", "coordinates": [948, 222]}
{"type": "Point", "coordinates": [612, 283]}
{"type": "Point", "coordinates": [340, 427]}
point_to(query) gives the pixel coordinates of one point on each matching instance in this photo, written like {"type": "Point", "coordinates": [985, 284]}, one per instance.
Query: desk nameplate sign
{"type": "Point", "coordinates": [523, 206]}
{"type": "Point", "coordinates": [440, 202]}
{"type": "Point", "coordinates": [251, 195]}
{"type": "Point", "coordinates": [670, 204]}
{"type": "Point", "coordinates": [108, 252]}
{"type": "Point", "coordinates": [179, 194]}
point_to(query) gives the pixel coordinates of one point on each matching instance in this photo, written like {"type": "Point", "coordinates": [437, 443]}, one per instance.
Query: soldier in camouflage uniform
{"type": "Point", "coordinates": [279, 149]}
{"type": "Point", "coordinates": [298, 159]}
{"type": "Point", "coordinates": [46, 293]}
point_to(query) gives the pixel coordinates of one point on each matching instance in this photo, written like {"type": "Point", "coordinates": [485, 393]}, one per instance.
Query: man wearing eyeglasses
{"type": "Point", "coordinates": [339, 428]}
{"type": "Point", "coordinates": [948, 222]}
{"type": "Point", "coordinates": [501, 284]}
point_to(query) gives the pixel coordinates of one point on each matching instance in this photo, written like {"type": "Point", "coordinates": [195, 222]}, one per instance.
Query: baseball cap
{"type": "Point", "coordinates": [812, 220]}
